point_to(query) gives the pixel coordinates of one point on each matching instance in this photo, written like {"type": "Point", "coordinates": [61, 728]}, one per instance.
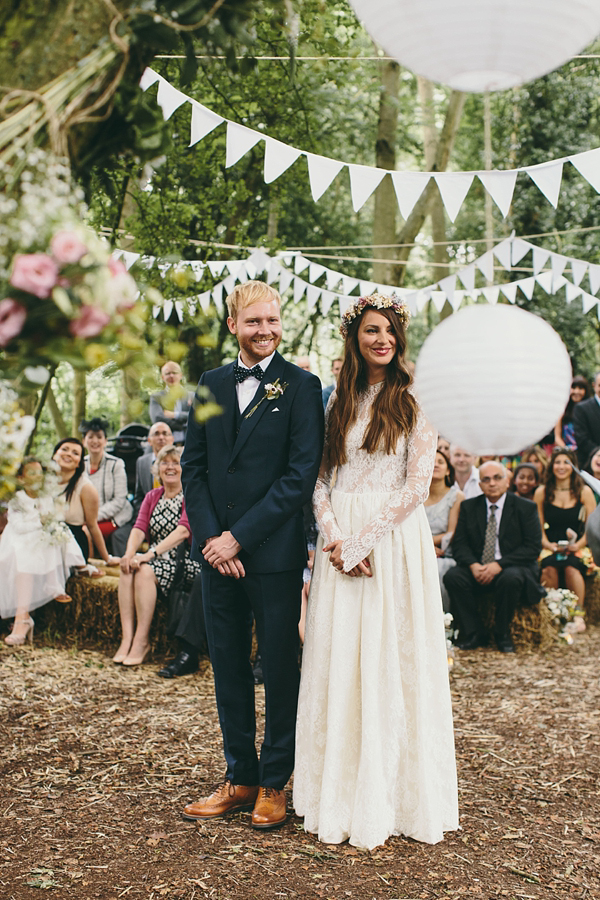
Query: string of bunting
{"type": "Point", "coordinates": [408, 186]}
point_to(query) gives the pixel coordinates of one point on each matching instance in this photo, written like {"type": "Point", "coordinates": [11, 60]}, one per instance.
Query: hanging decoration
{"type": "Point", "coordinates": [322, 171]}
{"type": "Point", "coordinates": [493, 379]}
{"type": "Point", "coordinates": [481, 45]}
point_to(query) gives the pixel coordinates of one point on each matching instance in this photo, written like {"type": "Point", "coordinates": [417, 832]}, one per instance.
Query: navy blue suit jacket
{"type": "Point", "coordinates": [254, 484]}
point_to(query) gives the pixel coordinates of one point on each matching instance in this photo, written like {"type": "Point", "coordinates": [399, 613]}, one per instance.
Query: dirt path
{"type": "Point", "coordinates": [97, 763]}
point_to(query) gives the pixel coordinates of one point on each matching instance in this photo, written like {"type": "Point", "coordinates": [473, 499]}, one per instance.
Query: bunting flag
{"type": "Point", "coordinates": [453, 186]}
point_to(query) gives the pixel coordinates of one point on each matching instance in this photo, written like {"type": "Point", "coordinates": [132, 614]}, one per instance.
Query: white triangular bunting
{"type": "Point", "coordinates": [545, 281]}
{"type": "Point", "coordinates": [260, 259]}
{"type": "Point", "coordinates": [312, 295]}
{"type": "Point", "coordinates": [467, 276]}
{"type": "Point", "coordinates": [491, 293]}
{"type": "Point", "coordinates": [274, 271]}
{"type": "Point", "coordinates": [540, 258]}
{"type": "Point", "coordinates": [300, 264]}
{"type": "Point", "coordinates": [179, 309]}
{"type": "Point", "coordinates": [500, 185]}
{"type": "Point", "coordinates": [321, 172]}
{"type": "Point", "coordinates": [457, 299]}
{"type": "Point", "coordinates": [169, 98]}
{"type": "Point", "coordinates": [409, 186]}
{"type": "Point", "coordinates": [156, 311]}
{"type": "Point", "coordinates": [572, 292]}
{"type": "Point", "coordinates": [130, 258]}
{"type": "Point", "coordinates": [234, 266]}
{"type": "Point", "coordinates": [422, 298]}
{"type": "Point", "coordinates": [510, 291]}
{"type": "Point", "coordinates": [332, 279]}
{"type": "Point", "coordinates": [216, 266]}
{"type": "Point", "coordinates": [448, 286]}
{"type": "Point", "coordinates": [502, 252]}
{"type": "Point", "coordinates": [250, 269]}
{"type": "Point", "coordinates": [485, 264]}
{"type": "Point", "coordinates": [285, 279]}
{"type": "Point", "coordinates": [228, 284]}
{"type": "Point", "coordinates": [454, 187]}
{"type": "Point", "coordinates": [167, 309]}
{"type": "Point", "coordinates": [217, 295]}
{"type": "Point", "coordinates": [588, 301]}
{"type": "Point", "coordinates": [520, 248]}
{"type": "Point", "coordinates": [438, 298]}
{"type": "Point", "coordinates": [345, 303]}
{"type": "Point", "coordinates": [197, 267]}
{"type": "Point", "coordinates": [588, 165]}
{"type": "Point", "coordinates": [363, 181]}
{"type": "Point", "coordinates": [366, 288]}
{"type": "Point", "coordinates": [203, 122]}
{"type": "Point", "coordinates": [558, 263]}
{"type": "Point", "coordinates": [594, 277]}
{"type": "Point", "coordinates": [149, 78]}
{"type": "Point", "coordinates": [204, 300]}
{"type": "Point", "coordinates": [238, 142]}
{"type": "Point", "coordinates": [278, 158]}
{"type": "Point", "coordinates": [327, 298]}
{"type": "Point", "coordinates": [410, 299]}
{"type": "Point", "coordinates": [315, 270]}
{"type": "Point", "coordinates": [547, 176]}
{"type": "Point", "coordinates": [578, 270]}
{"type": "Point", "coordinates": [299, 288]}
{"type": "Point", "coordinates": [348, 284]}
{"type": "Point", "coordinates": [527, 285]}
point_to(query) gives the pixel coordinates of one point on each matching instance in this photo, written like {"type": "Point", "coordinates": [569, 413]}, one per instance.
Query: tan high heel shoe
{"type": "Point", "coordinates": [13, 639]}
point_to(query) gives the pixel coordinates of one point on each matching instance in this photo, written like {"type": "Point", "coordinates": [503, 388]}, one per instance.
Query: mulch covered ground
{"type": "Point", "coordinates": [98, 761]}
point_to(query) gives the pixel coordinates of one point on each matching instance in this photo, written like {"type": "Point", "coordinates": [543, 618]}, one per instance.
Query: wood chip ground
{"type": "Point", "coordinates": [97, 763]}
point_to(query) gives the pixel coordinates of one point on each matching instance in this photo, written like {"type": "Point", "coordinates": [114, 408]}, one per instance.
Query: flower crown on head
{"type": "Point", "coordinates": [375, 301]}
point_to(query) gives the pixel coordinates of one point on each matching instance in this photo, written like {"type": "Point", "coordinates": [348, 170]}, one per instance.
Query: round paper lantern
{"type": "Point", "coordinates": [493, 379]}
{"type": "Point", "coordinates": [481, 45]}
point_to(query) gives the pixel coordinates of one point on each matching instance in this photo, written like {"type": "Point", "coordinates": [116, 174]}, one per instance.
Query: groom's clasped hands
{"type": "Point", "coordinates": [222, 554]}
{"type": "Point", "coordinates": [335, 548]}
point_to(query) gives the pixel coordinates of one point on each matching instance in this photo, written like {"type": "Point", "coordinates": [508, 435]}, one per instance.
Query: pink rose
{"type": "Point", "coordinates": [116, 266]}
{"type": "Point", "coordinates": [12, 319]}
{"type": "Point", "coordinates": [67, 248]}
{"type": "Point", "coordinates": [90, 322]}
{"type": "Point", "coordinates": [35, 273]}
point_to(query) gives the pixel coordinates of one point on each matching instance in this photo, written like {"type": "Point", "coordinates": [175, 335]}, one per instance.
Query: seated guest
{"type": "Point", "coordinates": [586, 422]}
{"type": "Point", "coordinates": [593, 467]}
{"type": "Point", "coordinates": [303, 362]}
{"type": "Point", "coordinates": [107, 474]}
{"type": "Point", "coordinates": [163, 523]}
{"type": "Point", "coordinates": [336, 365]}
{"type": "Point", "coordinates": [525, 480]}
{"type": "Point", "coordinates": [80, 497]}
{"type": "Point", "coordinates": [442, 507]}
{"type": "Point", "coordinates": [564, 430]}
{"type": "Point", "coordinates": [496, 545]}
{"type": "Point", "coordinates": [159, 436]}
{"type": "Point", "coordinates": [466, 474]}
{"type": "Point", "coordinates": [443, 445]}
{"type": "Point", "coordinates": [564, 504]}
{"type": "Point", "coordinates": [190, 635]}
{"type": "Point", "coordinates": [173, 404]}
{"type": "Point", "coordinates": [538, 459]}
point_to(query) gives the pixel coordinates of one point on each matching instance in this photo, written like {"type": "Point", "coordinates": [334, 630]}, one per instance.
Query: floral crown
{"type": "Point", "coordinates": [375, 301]}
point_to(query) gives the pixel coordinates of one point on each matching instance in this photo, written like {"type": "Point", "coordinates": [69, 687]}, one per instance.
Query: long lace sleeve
{"type": "Point", "coordinates": [322, 508]}
{"type": "Point", "coordinates": [419, 468]}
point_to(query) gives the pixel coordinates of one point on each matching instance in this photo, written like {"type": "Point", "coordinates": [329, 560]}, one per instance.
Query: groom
{"type": "Point", "coordinates": [247, 474]}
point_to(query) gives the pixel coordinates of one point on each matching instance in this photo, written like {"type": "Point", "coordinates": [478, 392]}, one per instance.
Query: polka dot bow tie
{"type": "Point", "coordinates": [240, 373]}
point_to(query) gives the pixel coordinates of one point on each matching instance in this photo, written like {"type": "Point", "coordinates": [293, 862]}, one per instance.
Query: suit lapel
{"type": "Point", "coordinates": [274, 371]}
{"type": "Point", "coordinates": [481, 520]}
{"type": "Point", "coordinates": [507, 515]}
{"type": "Point", "coordinates": [225, 396]}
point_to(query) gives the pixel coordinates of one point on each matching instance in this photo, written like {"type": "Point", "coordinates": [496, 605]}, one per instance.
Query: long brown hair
{"type": "Point", "coordinates": [575, 482]}
{"type": "Point", "coordinates": [394, 411]}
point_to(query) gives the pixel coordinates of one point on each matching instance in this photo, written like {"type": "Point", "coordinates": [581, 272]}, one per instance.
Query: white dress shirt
{"type": "Point", "coordinates": [247, 389]}
{"type": "Point", "coordinates": [472, 487]}
{"type": "Point", "coordinates": [499, 504]}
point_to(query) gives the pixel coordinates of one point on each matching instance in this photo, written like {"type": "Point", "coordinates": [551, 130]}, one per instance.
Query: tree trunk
{"type": "Point", "coordinates": [416, 220]}
{"type": "Point", "coordinates": [38, 411]}
{"type": "Point", "coordinates": [386, 204]}
{"type": "Point", "coordinates": [60, 426]}
{"type": "Point", "coordinates": [79, 400]}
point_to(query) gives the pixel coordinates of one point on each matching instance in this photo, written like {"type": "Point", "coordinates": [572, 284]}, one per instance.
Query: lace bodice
{"type": "Point", "coordinates": [405, 474]}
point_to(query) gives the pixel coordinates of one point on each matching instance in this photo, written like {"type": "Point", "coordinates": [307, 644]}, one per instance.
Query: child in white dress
{"type": "Point", "coordinates": [37, 551]}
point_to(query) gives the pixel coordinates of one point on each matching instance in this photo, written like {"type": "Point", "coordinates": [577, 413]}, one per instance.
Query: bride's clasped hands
{"type": "Point", "coordinates": [335, 548]}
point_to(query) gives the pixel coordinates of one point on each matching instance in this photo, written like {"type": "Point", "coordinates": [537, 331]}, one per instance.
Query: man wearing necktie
{"type": "Point", "coordinates": [496, 545]}
{"type": "Point", "coordinates": [247, 473]}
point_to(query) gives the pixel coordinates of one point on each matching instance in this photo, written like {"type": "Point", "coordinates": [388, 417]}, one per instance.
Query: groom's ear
{"type": "Point", "coordinates": [232, 325]}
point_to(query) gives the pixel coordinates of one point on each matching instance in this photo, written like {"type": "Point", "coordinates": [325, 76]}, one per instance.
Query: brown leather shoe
{"type": "Point", "coordinates": [269, 810]}
{"type": "Point", "coordinates": [227, 798]}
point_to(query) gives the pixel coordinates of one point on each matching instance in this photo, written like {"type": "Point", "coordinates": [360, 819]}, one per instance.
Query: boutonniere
{"type": "Point", "coordinates": [272, 391]}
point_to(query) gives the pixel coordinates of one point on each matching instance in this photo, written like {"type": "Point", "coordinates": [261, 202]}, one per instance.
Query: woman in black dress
{"type": "Point", "coordinates": [564, 503]}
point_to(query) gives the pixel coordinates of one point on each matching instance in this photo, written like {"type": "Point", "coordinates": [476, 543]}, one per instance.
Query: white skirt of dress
{"type": "Point", "coordinates": [32, 571]}
{"type": "Point", "coordinates": [374, 740]}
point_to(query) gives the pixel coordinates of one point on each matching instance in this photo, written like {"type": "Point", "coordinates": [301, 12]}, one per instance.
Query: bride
{"type": "Point", "coordinates": [375, 744]}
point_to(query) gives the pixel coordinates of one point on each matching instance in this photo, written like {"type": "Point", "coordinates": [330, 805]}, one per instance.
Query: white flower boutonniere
{"type": "Point", "coordinates": [272, 391]}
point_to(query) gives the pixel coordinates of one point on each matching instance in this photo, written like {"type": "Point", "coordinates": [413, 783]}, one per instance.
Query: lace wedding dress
{"type": "Point", "coordinates": [375, 744]}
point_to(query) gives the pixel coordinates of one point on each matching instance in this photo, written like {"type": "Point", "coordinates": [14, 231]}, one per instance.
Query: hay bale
{"type": "Point", "coordinates": [591, 601]}
{"type": "Point", "coordinates": [532, 626]}
{"type": "Point", "coordinates": [92, 620]}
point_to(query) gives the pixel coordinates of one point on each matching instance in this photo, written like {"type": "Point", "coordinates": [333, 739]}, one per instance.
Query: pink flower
{"type": "Point", "coordinates": [35, 273]}
{"type": "Point", "coordinates": [90, 322]}
{"type": "Point", "coordinates": [116, 266]}
{"type": "Point", "coordinates": [67, 248]}
{"type": "Point", "coordinates": [12, 319]}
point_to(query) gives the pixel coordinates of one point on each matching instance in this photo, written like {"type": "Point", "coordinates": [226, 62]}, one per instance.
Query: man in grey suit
{"type": "Point", "coordinates": [159, 436]}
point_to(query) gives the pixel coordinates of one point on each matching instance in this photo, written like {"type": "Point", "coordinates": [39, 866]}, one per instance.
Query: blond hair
{"type": "Point", "coordinates": [250, 292]}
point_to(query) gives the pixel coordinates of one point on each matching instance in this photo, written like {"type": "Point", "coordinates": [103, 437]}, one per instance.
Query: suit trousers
{"type": "Point", "coordinates": [229, 604]}
{"type": "Point", "coordinates": [466, 594]}
{"type": "Point", "coordinates": [191, 628]}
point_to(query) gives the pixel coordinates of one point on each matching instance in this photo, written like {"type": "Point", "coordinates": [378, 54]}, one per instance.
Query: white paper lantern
{"type": "Point", "coordinates": [493, 379]}
{"type": "Point", "coordinates": [481, 45]}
